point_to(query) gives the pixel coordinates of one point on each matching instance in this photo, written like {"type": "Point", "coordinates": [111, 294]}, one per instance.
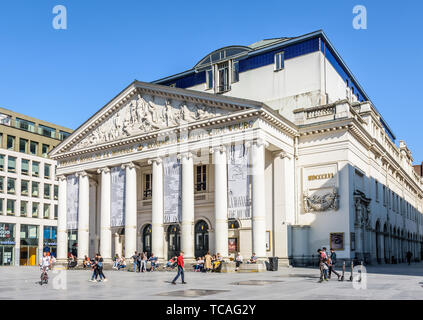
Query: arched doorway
{"type": "Point", "coordinates": [146, 240]}
{"type": "Point", "coordinates": [173, 240]}
{"type": "Point", "coordinates": [201, 238]}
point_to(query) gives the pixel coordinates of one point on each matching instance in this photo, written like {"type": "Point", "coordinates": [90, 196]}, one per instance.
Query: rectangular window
{"type": "Point", "coordinates": [47, 131]}
{"type": "Point", "coordinates": [1, 184]}
{"type": "Point", "coordinates": [23, 145]}
{"type": "Point", "coordinates": [148, 185]}
{"type": "Point", "coordinates": [63, 135]}
{"type": "Point", "coordinates": [56, 211]}
{"type": "Point", "coordinates": [35, 207]}
{"type": "Point", "coordinates": [46, 211]}
{"type": "Point", "coordinates": [47, 191]}
{"type": "Point", "coordinates": [33, 146]}
{"type": "Point", "coordinates": [24, 187]}
{"type": "Point", "coordinates": [35, 169]}
{"type": "Point", "coordinates": [209, 79]}
{"type": "Point", "coordinates": [10, 143]}
{"type": "Point", "coordinates": [24, 208]}
{"type": "Point", "coordinates": [11, 164]}
{"type": "Point", "coordinates": [377, 190]}
{"type": "Point", "coordinates": [223, 77]}
{"type": "Point", "coordinates": [235, 71]}
{"type": "Point", "coordinates": [56, 192]}
{"type": "Point", "coordinates": [25, 167]}
{"type": "Point", "coordinates": [44, 150]}
{"type": "Point", "coordinates": [11, 185]}
{"type": "Point", "coordinates": [279, 61]}
{"type": "Point", "coordinates": [10, 207]}
{"type": "Point", "coordinates": [34, 188]}
{"type": "Point", "coordinates": [1, 206]}
{"type": "Point", "coordinates": [1, 162]}
{"type": "Point", "coordinates": [25, 125]}
{"type": "Point", "coordinates": [47, 171]}
{"type": "Point", "coordinates": [384, 195]}
{"type": "Point", "coordinates": [200, 178]}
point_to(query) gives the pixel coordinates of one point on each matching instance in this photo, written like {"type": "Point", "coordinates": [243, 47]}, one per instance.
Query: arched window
{"type": "Point", "coordinates": [146, 239]}
{"type": "Point", "coordinates": [201, 238]}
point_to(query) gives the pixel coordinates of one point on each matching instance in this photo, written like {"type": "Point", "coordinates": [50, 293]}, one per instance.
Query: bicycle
{"type": "Point", "coordinates": [44, 275]}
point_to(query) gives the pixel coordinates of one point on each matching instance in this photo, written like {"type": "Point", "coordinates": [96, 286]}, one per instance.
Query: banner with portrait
{"type": "Point", "coordinates": [117, 209]}
{"type": "Point", "coordinates": [72, 202]}
{"type": "Point", "coordinates": [172, 190]}
{"type": "Point", "coordinates": [238, 182]}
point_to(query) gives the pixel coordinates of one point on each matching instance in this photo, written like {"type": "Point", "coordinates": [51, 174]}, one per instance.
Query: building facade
{"type": "Point", "coordinates": [28, 188]}
{"type": "Point", "coordinates": [272, 148]}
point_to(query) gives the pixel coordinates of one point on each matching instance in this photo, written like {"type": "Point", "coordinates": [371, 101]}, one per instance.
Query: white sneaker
{"type": "Point", "coordinates": [105, 280]}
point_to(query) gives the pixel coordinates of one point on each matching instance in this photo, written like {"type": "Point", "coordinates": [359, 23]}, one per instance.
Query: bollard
{"type": "Point", "coordinates": [343, 271]}
{"type": "Point", "coordinates": [352, 268]}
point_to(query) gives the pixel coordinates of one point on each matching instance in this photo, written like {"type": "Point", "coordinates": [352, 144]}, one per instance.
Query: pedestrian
{"type": "Point", "coordinates": [208, 262]}
{"type": "Point", "coordinates": [100, 268]}
{"type": "Point", "coordinates": [180, 263]}
{"type": "Point", "coordinates": [134, 257]}
{"type": "Point", "coordinates": [321, 258]}
{"type": "Point", "coordinates": [94, 269]}
{"type": "Point", "coordinates": [143, 261]}
{"type": "Point", "coordinates": [139, 262]}
{"type": "Point", "coordinates": [325, 269]}
{"type": "Point", "coordinates": [409, 255]}
{"type": "Point", "coordinates": [332, 263]}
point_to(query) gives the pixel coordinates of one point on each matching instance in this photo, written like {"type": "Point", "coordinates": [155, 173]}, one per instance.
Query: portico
{"type": "Point", "coordinates": [134, 135]}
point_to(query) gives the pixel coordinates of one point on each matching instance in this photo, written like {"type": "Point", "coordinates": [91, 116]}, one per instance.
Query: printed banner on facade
{"type": "Point", "coordinates": [72, 196]}
{"type": "Point", "coordinates": [117, 209]}
{"type": "Point", "coordinates": [238, 183]}
{"type": "Point", "coordinates": [172, 190]}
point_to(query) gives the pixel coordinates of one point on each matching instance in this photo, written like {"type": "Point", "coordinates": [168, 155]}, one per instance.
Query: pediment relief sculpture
{"type": "Point", "coordinates": [147, 114]}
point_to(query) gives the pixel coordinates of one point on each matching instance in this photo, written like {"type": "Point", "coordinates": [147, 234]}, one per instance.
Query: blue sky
{"type": "Point", "coordinates": [65, 76]}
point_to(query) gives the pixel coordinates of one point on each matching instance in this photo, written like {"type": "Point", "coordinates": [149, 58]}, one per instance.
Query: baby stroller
{"type": "Point", "coordinates": [44, 275]}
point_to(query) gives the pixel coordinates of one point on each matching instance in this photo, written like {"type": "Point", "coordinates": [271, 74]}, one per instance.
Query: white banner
{"type": "Point", "coordinates": [238, 182]}
{"type": "Point", "coordinates": [117, 210]}
{"type": "Point", "coordinates": [172, 190]}
{"type": "Point", "coordinates": [72, 201]}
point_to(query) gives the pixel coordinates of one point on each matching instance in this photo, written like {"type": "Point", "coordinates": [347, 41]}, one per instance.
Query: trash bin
{"type": "Point", "coordinates": [273, 263]}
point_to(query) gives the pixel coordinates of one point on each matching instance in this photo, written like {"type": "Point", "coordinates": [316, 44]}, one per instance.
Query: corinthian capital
{"type": "Point", "coordinates": [157, 160]}
{"type": "Point", "coordinates": [105, 170]}
{"type": "Point", "coordinates": [221, 149]}
{"type": "Point", "coordinates": [186, 155]}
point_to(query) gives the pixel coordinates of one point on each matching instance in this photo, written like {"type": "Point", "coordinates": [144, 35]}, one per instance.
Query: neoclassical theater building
{"type": "Point", "coordinates": [272, 148]}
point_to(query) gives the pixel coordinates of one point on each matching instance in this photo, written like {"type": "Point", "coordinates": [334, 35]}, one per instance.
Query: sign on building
{"type": "Point", "coordinates": [72, 202]}
{"type": "Point", "coordinates": [117, 210]}
{"type": "Point", "coordinates": [172, 190]}
{"type": "Point", "coordinates": [238, 182]}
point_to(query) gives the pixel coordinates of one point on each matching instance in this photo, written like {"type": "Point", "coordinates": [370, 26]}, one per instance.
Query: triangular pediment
{"type": "Point", "coordinates": [146, 108]}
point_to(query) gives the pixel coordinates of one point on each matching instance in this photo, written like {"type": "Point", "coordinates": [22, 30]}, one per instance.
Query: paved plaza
{"type": "Point", "coordinates": [383, 282]}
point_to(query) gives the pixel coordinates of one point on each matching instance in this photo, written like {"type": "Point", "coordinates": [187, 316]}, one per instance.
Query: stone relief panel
{"type": "Point", "coordinates": [320, 188]}
{"type": "Point", "coordinates": [144, 114]}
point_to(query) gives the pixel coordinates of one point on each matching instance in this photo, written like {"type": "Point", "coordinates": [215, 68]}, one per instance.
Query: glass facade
{"type": "Point", "coordinates": [29, 245]}
{"type": "Point", "coordinates": [50, 240]}
{"type": "Point", "coordinates": [7, 244]}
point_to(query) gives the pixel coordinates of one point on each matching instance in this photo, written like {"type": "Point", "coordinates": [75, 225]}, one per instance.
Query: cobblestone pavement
{"type": "Point", "coordinates": [383, 282]}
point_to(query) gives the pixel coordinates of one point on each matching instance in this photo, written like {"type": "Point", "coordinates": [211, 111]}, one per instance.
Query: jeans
{"type": "Point", "coordinates": [143, 265]}
{"type": "Point", "coordinates": [180, 273]}
{"type": "Point", "coordinates": [135, 266]}
{"type": "Point", "coordinates": [96, 273]}
{"type": "Point", "coordinates": [332, 269]}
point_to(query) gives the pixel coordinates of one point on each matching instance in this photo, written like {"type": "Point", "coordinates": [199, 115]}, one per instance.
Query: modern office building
{"type": "Point", "coordinates": [272, 148]}
{"type": "Point", "coordinates": [28, 187]}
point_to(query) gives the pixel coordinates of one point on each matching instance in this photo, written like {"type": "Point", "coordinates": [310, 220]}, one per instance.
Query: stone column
{"type": "Point", "coordinates": [62, 234]}
{"type": "Point", "coordinates": [258, 204]}
{"type": "Point", "coordinates": [105, 230]}
{"type": "Point", "coordinates": [83, 215]}
{"type": "Point", "coordinates": [130, 209]}
{"type": "Point", "coordinates": [157, 230]}
{"type": "Point", "coordinates": [187, 224]}
{"type": "Point", "coordinates": [220, 200]}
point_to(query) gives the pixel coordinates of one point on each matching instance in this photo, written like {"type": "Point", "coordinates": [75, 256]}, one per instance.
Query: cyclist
{"type": "Point", "coordinates": [45, 264]}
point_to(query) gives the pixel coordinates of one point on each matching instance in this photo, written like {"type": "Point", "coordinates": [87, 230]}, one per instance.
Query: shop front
{"type": "Point", "coordinates": [7, 244]}
{"type": "Point", "coordinates": [29, 245]}
{"type": "Point", "coordinates": [50, 241]}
